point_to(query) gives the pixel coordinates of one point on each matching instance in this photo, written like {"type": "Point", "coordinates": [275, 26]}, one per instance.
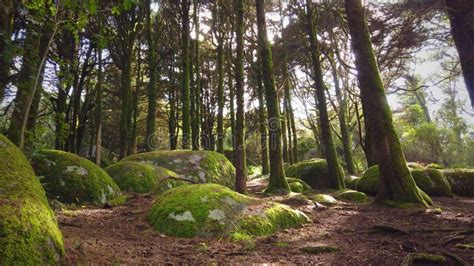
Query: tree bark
{"type": "Point", "coordinates": [396, 182]}
{"type": "Point", "coordinates": [239, 149]}
{"type": "Point", "coordinates": [186, 116]}
{"type": "Point", "coordinates": [220, 93]}
{"type": "Point", "coordinates": [334, 170]}
{"type": "Point", "coordinates": [262, 122]}
{"type": "Point", "coordinates": [277, 181]}
{"type": "Point", "coordinates": [7, 11]}
{"type": "Point", "coordinates": [462, 29]}
{"type": "Point", "coordinates": [195, 103]}
{"type": "Point", "coordinates": [151, 92]}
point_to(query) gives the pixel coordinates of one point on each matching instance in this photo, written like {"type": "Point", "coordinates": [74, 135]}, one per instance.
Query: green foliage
{"type": "Point", "coordinates": [69, 178]}
{"type": "Point", "coordinates": [29, 233]}
{"type": "Point", "coordinates": [211, 209]}
{"type": "Point", "coordinates": [314, 172]}
{"type": "Point", "coordinates": [198, 166]}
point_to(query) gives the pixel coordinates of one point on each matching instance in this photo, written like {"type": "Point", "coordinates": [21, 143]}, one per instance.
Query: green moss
{"type": "Point", "coordinates": [431, 181]}
{"type": "Point", "coordinates": [117, 201]}
{"type": "Point", "coordinates": [423, 259]}
{"type": "Point", "coordinates": [198, 166]}
{"type": "Point", "coordinates": [69, 178]}
{"type": "Point", "coordinates": [461, 181]}
{"type": "Point", "coordinates": [314, 172]}
{"type": "Point", "coordinates": [323, 199]}
{"type": "Point", "coordinates": [319, 249]}
{"type": "Point", "coordinates": [465, 246]}
{"type": "Point", "coordinates": [434, 166]}
{"type": "Point", "coordinates": [29, 233]}
{"type": "Point", "coordinates": [138, 177]}
{"type": "Point", "coordinates": [297, 185]}
{"type": "Point", "coordinates": [352, 195]}
{"type": "Point", "coordinates": [415, 165]}
{"type": "Point", "coordinates": [248, 241]}
{"type": "Point", "coordinates": [211, 209]}
{"type": "Point", "coordinates": [350, 181]}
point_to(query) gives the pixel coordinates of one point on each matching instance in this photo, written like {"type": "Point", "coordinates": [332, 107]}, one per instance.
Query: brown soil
{"type": "Point", "coordinates": [122, 235]}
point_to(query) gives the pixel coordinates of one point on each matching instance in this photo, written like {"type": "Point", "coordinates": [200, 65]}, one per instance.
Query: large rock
{"type": "Point", "coordinates": [461, 180]}
{"type": "Point", "coordinates": [314, 172]}
{"type": "Point", "coordinates": [431, 181]}
{"type": "Point", "coordinates": [69, 178]}
{"type": "Point", "coordinates": [197, 166]}
{"type": "Point", "coordinates": [214, 210]}
{"type": "Point", "coordinates": [138, 177]}
{"type": "Point", "coordinates": [29, 233]}
{"type": "Point", "coordinates": [297, 185]}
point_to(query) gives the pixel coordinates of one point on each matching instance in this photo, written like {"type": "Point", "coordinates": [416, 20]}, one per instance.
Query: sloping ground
{"type": "Point", "coordinates": [122, 235]}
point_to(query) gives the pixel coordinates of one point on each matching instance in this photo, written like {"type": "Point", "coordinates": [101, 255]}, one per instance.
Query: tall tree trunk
{"type": "Point", "coordinates": [345, 134]}
{"type": "Point", "coordinates": [7, 11]}
{"type": "Point", "coordinates": [220, 95]}
{"type": "Point", "coordinates": [98, 102]}
{"type": "Point", "coordinates": [289, 134]}
{"type": "Point", "coordinates": [277, 181]}
{"type": "Point", "coordinates": [283, 134]}
{"type": "Point", "coordinates": [195, 106]}
{"type": "Point", "coordinates": [25, 85]}
{"type": "Point", "coordinates": [126, 96]}
{"type": "Point", "coordinates": [262, 121]}
{"type": "Point", "coordinates": [151, 92]}
{"type": "Point", "coordinates": [239, 149]}
{"type": "Point", "coordinates": [290, 118]}
{"type": "Point", "coordinates": [396, 182]}
{"type": "Point", "coordinates": [462, 28]}
{"type": "Point", "coordinates": [173, 106]}
{"type": "Point", "coordinates": [133, 138]}
{"type": "Point", "coordinates": [336, 176]}
{"type": "Point", "coordinates": [231, 93]}
{"type": "Point", "coordinates": [186, 116]}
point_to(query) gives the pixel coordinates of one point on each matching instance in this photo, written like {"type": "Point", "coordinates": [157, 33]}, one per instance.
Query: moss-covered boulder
{"type": "Point", "coordinates": [434, 166]}
{"type": "Point", "coordinates": [461, 181]}
{"type": "Point", "coordinates": [137, 177]}
{"type": "Point", "coordinates": [352, 196]}
{"type": "Point", "coordinates": [197, 166]}
{"type": "Point", "coordinates": [323, 199]}
{"type": "Point", "coordinates": [212, 209]}
{"type": "Point", "coordinates": [314, 172]}
{"type": "Point", "coordinates": [297, 185]}
{"type": "Point", "coordinates": [415, 165]}
{"type": "Point", "coordinates": [29, 233]}
{"type": "Point", "coordinates": [431, 181]}
{"type": "Point", "coordinates": [350, 181]}
{"type": "Point", "coordinates": [69, 178]}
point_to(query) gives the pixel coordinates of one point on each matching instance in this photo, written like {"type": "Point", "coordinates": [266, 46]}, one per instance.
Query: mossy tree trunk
{"type": "Point", "coordinates": [185, 79]}
{"type": "Point", "coordinates": [172, 96]}
{"type": "Point", "coordinates": [231, 90]}
{"type": "Point", "coordinates": [218, 21]}
{"type": "Point", "coordinates": [138, 84]}
{"type": "Point", "coordinates": [262, 117]}
{"type": "Point", "coordinates": [239, 148]}
{"type": "Point", "coordinates": [98, 100]}
{"type": "Point", "coordinates": [396, 182]}
{"type": "Point", "coordinates": [345, 134]}
{"type": "Point", "coordinates": [7, 11]}
{"type": "Point", "coordinates": [277, 181]}
{"type": "Point", "coordinates": [283, 132]}
{"type": "Point", "coordinates": [195, 102]}
{"type": "Point", "coordinates": [334, 169]}
{"type": "Point", "coordinates": [151, 87]}
{"type": "Point", "coordinates": [462, 29]}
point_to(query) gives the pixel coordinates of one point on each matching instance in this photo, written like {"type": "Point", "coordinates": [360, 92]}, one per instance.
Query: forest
{"type": "Point", "coordinates": [331, 132]}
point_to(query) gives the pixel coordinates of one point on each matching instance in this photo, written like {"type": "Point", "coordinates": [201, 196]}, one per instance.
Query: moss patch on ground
{"type": "Point", "coordinates": [314, 172]}
{"type": "Point", "coordinates": [431, 181]}
{"type": "Point", "coordinates": [137, 177]}
{"type": "Point", "coordinates": [212, 210]}
{"type": "Point", "coordinates": [461, 181]}
{"type": "Point", "coordinates": [29, 233]}
{"type": "Point", "coordinates": [197, 166]}
{"type": "Point", "coordinates": [69, 178]}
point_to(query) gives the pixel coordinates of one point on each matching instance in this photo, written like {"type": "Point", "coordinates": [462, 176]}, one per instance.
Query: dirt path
{"type": "Point", "coordinates": [122, 235]}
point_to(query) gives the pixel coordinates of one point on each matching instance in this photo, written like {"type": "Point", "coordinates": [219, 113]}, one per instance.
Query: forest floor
{"type": "Point", "coordinates": [362, 233]}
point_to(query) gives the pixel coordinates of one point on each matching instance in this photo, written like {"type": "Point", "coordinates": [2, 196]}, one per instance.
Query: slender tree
{"type": "Point", "coordinates": [151, 92]}
{"type": "Point", "coordinates": [277, 181]}
{"type": "Point", "coordinates": [7, 11]}
{"type": "Point", "coordinates": [396, 182]}
{"type": "Point", "coordinates": [239, 148]}
{"type": "Point", "coordinates": [98, 101]}
{"type": "Point", "coordinates": [335, 174]}
{"type": "Point", "coordinates": [262, 117]}
{"type": "Point", "coordinates": [185, 80]}
{"type": "Point", "coordinates": [195, 90]}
